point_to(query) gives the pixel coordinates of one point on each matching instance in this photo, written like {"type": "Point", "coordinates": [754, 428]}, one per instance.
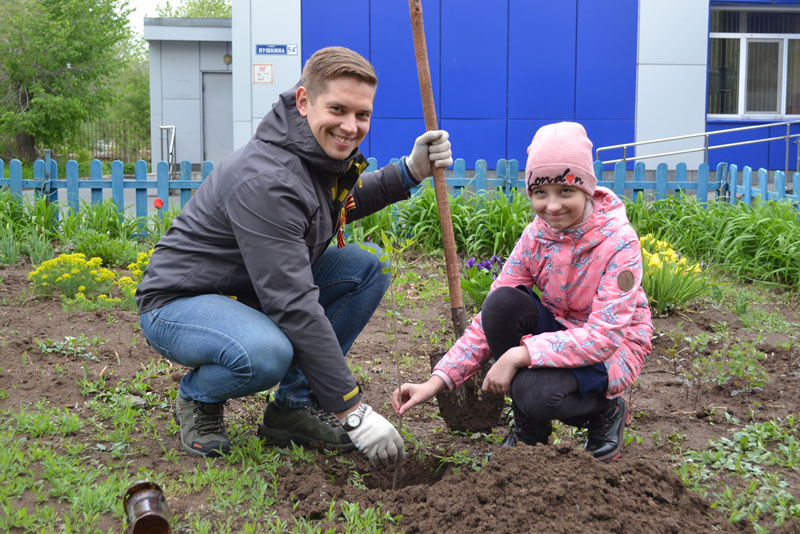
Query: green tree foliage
{"type": "Point", "coordinates": [130, 84]}
{"type": "Point", "coordinates": [55, 59]}
{"type": "Point", "coordinates": [196, 9]}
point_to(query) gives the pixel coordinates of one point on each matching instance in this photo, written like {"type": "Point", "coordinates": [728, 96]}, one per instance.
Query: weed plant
{"type": "Point", "coordinates": [747, 475]}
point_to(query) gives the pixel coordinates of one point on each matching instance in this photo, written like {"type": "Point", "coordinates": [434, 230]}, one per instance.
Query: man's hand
{"type": "Point", "coordinates": [499, 376]}
{"type": "Point", "coordinates": [378, 439]}
{"type": "Point", "coordinates": [430, 148]}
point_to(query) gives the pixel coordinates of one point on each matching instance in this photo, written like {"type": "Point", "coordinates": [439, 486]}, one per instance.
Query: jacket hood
{"type": "Point", "coordinates": [608, 215]}
{"type": "Point", "coordinates": [285, 127]}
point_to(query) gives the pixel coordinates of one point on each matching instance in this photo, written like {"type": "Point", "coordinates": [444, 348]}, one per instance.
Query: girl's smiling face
{"type": "Point", "coordinates": [560, 206]}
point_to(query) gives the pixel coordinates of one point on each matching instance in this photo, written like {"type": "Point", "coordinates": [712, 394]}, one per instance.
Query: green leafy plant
{"type": "Point", "coordinates": [9, 250]}
{"type": "Point", "coordinates": [737, 366]}
{"type": "Point", "coordinates": [741, 475]}
{"type": "Point", "coordinates": [478, 278]}
{"type": "Point", "coordinates": [73, 347]}
{"type": "Point", "coordinates": [669, 280]}
{"type": "Point", "coordinates": [114, 251]}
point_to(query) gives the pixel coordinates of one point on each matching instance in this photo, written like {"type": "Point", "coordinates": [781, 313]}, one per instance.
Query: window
{"type": "Point", "coordinates": [754, 63]}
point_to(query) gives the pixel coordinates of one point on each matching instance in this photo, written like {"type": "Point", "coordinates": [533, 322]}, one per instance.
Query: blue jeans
{"type": "Point", "coordinates": [235, 350]}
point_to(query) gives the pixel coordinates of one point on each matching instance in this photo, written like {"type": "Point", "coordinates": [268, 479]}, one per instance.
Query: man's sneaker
{"type": "Point", "coordinates": [308, 426]}
{"type": "Point", "coordinates": [607, 430]}
{"type": "Point", "coordinates": [202, 427]}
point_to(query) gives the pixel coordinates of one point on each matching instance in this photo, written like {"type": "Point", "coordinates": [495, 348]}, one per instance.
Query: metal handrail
{"type": "Point", "coordinates": [706, 148]}
{"type": "Point", "coordinates": [172, 157]}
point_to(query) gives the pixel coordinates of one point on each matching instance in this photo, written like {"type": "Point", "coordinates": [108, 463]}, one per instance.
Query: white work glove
{"type": "Point", "coordinates": [378, 439]}
{"type": "Point", "coordinates": [430, 147]}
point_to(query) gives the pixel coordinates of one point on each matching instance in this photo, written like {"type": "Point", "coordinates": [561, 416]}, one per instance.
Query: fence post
{"type": "Point", "coordinates": [638, 176]}
{"type": "Point", "coordinates": [597, 167]}
{"type": "Point", "coordinates": [620, 169]}
{"type": "Point", "coordinates": [702, 183]}
{"type": "Point", "coordinates": [206, 169]}
{"type": "Point", "coordinates": [513, 176]}
{"type": "Point", "coordinates": [480, 176]}
{"type": "Point", "coordinates": [459, 175]}
{"type": "Point", "coordinates": [140, 171]}
{"type": "Point", "coordinates": [96, 174]}
{"type": "Point", "coordinates": [733, 183]}
{"type": "Point", "coordinates": [162, 178]}
{"type": "Point", "coordinates": [662, 174]}
{"type": "Point", "coordinates": [118, 185]}
{"type": "Point", "coordinates": [39, 176]}
{"type": "Point", "coordinates": [680, 177]}
{"type": "Point", "coordinates": [780, 186]}
{"type": "Point", "coordinates": [186, 176]}
{"type": "Point", "coordinates": [15, 178]}
{"type": "Point", "coordinates": [747, 181]}
{"type": "Point", "coordinates": [763, 184]}
{"type": "Point", "coordinates": [73, 187]}
{"type": "Point", "coordinates": [501, 173]}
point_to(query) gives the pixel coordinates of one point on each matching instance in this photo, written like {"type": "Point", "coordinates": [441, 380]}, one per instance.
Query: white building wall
{"type": "Point", "coordinates": [671, 78]}
{"type": "Point", "coordinates": [260, 78]}
{"type": "Point", "coordinates": [181, 50]}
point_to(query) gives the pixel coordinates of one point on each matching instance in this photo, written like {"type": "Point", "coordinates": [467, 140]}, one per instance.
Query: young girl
{"type": "Point", "coordinates": [571, 354]}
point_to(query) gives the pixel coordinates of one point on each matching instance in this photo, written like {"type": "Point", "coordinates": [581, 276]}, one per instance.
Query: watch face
{"type": "Point", "coordinates": [353, 420]}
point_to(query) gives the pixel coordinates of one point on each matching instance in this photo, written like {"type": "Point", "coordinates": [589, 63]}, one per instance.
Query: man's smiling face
{"type": "Point", "coordinates": [339, 117]}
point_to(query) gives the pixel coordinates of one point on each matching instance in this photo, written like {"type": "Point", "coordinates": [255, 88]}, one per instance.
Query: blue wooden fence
{"type": "Point", "coordinates": [729, 183]}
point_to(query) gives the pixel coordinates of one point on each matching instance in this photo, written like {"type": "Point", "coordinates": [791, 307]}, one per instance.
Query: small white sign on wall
{"type": "Point", "coordinates": [262, 73]}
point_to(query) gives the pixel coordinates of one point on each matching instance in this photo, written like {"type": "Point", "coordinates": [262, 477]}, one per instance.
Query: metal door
{"type": "Point", "coordinates": [217, 115]}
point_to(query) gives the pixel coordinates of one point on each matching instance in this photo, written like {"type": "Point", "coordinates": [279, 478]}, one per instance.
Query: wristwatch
{"type": "Point", "coordinates": [354, 418]}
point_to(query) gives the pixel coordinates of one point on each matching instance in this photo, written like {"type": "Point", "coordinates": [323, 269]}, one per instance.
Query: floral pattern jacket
{"type": "Point", "coordinates": [590, 278]}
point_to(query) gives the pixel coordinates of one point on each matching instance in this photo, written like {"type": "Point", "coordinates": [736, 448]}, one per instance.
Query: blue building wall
{"type": "Point", "coordinates": [499, 69]}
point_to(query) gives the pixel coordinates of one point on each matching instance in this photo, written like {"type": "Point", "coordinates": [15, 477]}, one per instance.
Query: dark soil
{"type": "Point", "coordinates": [547, 488]}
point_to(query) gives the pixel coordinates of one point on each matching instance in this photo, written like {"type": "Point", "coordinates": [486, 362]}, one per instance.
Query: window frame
{"type": "Point", "coordinates": [744, 39]}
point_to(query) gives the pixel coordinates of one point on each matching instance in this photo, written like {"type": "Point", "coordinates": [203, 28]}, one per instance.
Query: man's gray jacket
{"type": "Point", "coordinates": [254, 228]}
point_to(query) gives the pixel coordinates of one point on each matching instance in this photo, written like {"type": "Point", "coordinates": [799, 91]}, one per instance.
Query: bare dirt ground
{"type": "Point", "coordinates": [555, 488]}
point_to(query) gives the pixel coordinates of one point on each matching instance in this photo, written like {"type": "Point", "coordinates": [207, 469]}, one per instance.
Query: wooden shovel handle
{"type": "Point", "coordinates": [442, 203]}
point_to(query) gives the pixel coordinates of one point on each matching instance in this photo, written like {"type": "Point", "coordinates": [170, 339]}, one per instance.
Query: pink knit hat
{"type": "Point", "coordinates": [561, 153]}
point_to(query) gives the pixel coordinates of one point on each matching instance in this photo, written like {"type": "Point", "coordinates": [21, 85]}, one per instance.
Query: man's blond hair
{"type": "Point", "coordinates": [335, 62]}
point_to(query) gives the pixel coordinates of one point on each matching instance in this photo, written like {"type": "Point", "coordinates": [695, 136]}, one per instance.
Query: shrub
{"type": "Point", "coordinates": [69, 275]}
{"type": "Point", "coordinates": [669, 280]}
{"type": "Point", "coordinates": [113, 251]}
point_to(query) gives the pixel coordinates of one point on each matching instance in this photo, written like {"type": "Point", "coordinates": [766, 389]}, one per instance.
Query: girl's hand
{"type": "Point", "coordinates": [409, 395]}
{"type": "Point", "coordinates": [498, 378]}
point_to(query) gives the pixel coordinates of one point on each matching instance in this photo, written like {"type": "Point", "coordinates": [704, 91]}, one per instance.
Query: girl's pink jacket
{"type": "Point", "coordinates": [584, 274]}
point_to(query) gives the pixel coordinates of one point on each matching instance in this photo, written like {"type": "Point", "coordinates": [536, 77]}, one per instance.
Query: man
{"type": "Point", "coordinates": [244, 289]}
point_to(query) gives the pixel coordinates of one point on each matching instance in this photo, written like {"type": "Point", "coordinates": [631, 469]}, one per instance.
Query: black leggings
{"type": "Point", "coordinates": [541, 394]}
